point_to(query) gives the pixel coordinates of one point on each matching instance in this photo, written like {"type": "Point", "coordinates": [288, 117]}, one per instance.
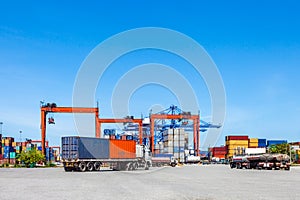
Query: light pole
{"type": "Point", "coordinates": [1, 124]}
{"type": "Point", "coordinates": [20, 136]}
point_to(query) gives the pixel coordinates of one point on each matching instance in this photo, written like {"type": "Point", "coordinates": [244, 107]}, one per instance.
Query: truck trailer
{"type": "Point", "coordinates": [90, 154]}
{"type": "Point", "coordinates": [262, 161]}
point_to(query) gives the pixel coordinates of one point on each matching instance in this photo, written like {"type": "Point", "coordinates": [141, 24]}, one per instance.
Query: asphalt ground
{"type": "Point", "coordinates": [185, 182]}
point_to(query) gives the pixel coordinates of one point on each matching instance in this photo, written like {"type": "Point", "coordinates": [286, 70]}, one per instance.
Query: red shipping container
{"type": "Point", "coordinates": [237, 137]}
{"type": "Point", "coordinates": [12, 161]}
{"type": "Point", "coordinates": [122, 149]}
{"type": "Point", "coordinates": [219, 155]}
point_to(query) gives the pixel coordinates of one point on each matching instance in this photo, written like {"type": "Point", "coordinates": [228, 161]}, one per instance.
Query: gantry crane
{"type": "Point", "coordinates": [172, 115]}
{"type": "Point", "coordinates": [52, 108]}
{"type": "Point", "coordinates": [125, 120]}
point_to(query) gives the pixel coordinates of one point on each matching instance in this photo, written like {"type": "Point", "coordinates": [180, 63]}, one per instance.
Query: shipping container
{"type": "Point", "coordinates": [237, 142]}
{"type": "Point", "coordinates": [236, 137]}
{"type": "Point", "coordinates": [84, 148]}
{"type": "Point", "coordinates": [275, 142]}
{"type": "Point", "coordinates": [122, 149]}
{"type": "Point", "coordinates": [12, 161]}
{"type": "Point", "coordinates": [255, 140]}
{"type": "Point", "coordinates": [251, 151]}
{"type": "Point", "coordinates": [12, 155]}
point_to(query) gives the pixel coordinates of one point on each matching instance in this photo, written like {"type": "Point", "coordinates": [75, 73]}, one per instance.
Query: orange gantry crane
{"type": "Point", "coordinates": [52, 108]}
{"type": "Point", "coordinates": [125, 120]}
{"type": "Point", "coordinates": [196, 122]}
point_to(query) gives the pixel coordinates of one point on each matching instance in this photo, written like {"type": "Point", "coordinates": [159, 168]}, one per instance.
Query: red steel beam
{"type": "Point", "coordinates": [112, 120]}
{"type": "Point", "coordinates": [45, 110]}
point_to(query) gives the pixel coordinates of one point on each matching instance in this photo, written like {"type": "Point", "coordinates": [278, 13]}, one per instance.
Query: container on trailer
{"type": "Point", "coordinates": [163, 155]}
{"type": "Point", "coordinates": [122, 149]}
{"type": "Point", "coordinates": [85, 148]}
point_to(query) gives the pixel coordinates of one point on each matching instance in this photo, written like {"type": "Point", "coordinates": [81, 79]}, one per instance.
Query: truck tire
{"type": "Point", "coordinates": [147, 165]}
{"type": "Point", "coordinates": [90, 166]}
{"type": "Point", "coordinates": [82, 166]}
{"type": "Point", "coordinates": [68, 169]}
{"type": "Point", "coordinates": [287, 168]}
{"type": "Point", "coordinates": [97, 166]}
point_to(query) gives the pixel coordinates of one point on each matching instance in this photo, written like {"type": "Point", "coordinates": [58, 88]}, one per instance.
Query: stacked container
{"type": "Point", "coordinates": [97, 148]}
{"type": "Point", "coordinates": [275, 142]}
{"type": "Point", "coordinates": [236, 145]}
{"type": "Point", "coordinates": [219, 152]}
{"type": "Point", "coordinates": [175, 143]}
{"type": "Point", "coordinates": [262, 143]}
{"type": "Point", "coordinates": [253, 142]}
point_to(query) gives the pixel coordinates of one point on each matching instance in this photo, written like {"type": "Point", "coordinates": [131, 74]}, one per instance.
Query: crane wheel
{"type": "Point", "coordinates": [90, 166]}
{"type": "Point", "coordinates": [82, 166]}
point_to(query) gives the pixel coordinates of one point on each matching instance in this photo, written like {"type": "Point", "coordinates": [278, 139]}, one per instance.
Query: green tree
{"type": "Point", "coordinates": [30, 158]}
{"type": "Point", "coordinates": [280, 148]}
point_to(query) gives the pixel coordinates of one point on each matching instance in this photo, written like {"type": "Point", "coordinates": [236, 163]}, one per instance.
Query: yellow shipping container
{"type": "Point", "coordinates": [253, 144]}
{"type": "Point", "coordinates": [255, 140]}
{"type": "Point", "coordinates": [237, 142]}
{"type": "Point", "coordinates": [237, 146]}
{"type": "Point", "coordinates": [14, 144]}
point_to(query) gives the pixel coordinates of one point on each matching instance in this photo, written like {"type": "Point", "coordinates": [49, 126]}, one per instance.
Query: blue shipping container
{"type": "Point", "coordinates": [164, 155]}
{"type": "Point", "coordinates": [84, 148]}
{"type": "Point", "coordinates": [275, 142]}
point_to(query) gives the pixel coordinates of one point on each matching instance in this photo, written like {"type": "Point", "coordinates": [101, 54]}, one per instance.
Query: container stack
{"type": "Point", "coordinates": [262, 143]}
{"type": "Point", "coordinates": [49, 154]}
{"type": "Point", "coordinates": [253, 142]}
{"type": "Point", "coordinates": [298, 156]}
{"type": "Point", "coordinates": [275, 142]}
{"type": "Point", "coordinates": [8, 153]}
{"type": "Point", "coordinates": [236, 145]}
{"type": "Point", "coordinates": [219, 152]}
{"type": "Point", "coordinates": [175, 143]}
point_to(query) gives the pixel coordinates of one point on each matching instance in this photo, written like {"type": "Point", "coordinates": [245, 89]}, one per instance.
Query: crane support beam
{"type": "Point", "coordinates": [53, 109]}
{"type": "Point", "coordinates": [196, 124]}
{"type": "Point", "coordinates": [137, 121]}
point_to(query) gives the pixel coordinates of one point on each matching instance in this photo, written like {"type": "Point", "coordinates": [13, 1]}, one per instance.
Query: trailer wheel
{"type": "Point", "coordinates": [147, 165]}
{"type": "Point", "coordinates": [97, 166]}
{"type": "Point", "coordinates": [287, 168]}
{"type": "Point", "coordinates": [82, 166]}
{"type": "Point", "coordinates": [68, 169]}
{"type": "Point", "coordinates": [136, 165]}
{"type": "Point", "coordinates": [90, 166]}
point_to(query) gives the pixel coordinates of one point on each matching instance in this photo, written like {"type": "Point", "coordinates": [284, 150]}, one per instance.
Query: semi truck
{"type": "Point", "coordinates": [159, 160]}
{"type": "Point", "coordinates": [90, 154]}
{"type": "Point", "coordinates": [262, 161]}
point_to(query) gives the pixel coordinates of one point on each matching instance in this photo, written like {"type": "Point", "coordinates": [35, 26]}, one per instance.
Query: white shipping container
{"type": "Point", "coordinates": [250, 151]}
{"type": "Point", "coordinates": [176, 137]}
{"type": "Point", "coordinates": [176, 143]}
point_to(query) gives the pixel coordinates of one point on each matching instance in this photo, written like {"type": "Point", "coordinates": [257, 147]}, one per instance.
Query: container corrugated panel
{"type": "Point", "coordinates": [237, 142]}
{"type": "Point", "coordinates": [122, 149]}
{"type": "Point", "coordinates": [164, 155]}
{"type": "Point", "coordinates": [275, 142]}
{"type": "Point", "coordinates": [93, 148]}
{"type": "Point", "coordinates": [219, 155]}
{"type": "Point", "coordinates": [236, 137]}
{"type": "Point", "coordinates": [253, 140]}
{"type": "Point", "coordinates": [85, 148]}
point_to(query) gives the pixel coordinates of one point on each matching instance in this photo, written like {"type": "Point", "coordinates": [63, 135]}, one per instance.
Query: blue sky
{"type": "Point", "coordinates": [255, 45]}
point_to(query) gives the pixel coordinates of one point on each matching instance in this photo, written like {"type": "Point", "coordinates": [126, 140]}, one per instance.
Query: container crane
{"type": "Point", "coordinates": [52, 108]}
